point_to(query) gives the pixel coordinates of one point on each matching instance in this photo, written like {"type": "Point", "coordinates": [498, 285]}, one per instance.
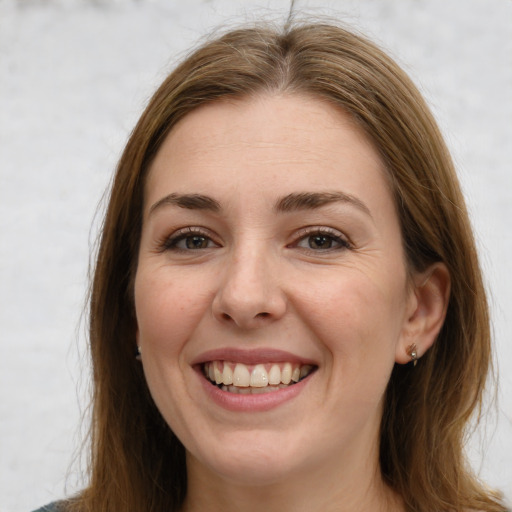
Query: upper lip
{"type": "Point", "coordinates": [251, 356]}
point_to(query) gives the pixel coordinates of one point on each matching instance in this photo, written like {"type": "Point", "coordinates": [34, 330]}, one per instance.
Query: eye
{"type": "Point", "coordinates": [189, 239]}
{"type": "Point", "coordinates": [321, 239]}
{"type": "Point", "coordinates": [192, 242]}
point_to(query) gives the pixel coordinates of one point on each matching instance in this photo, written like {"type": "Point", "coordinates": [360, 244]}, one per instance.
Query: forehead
{"type": "Point", "coordinates": [291, 140]}
{"type": "Point", "coordinates": [267, 119]}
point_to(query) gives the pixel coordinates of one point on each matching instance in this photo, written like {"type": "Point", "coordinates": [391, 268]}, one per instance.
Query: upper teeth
{"type": "Point", "coordinates": [256, 376]}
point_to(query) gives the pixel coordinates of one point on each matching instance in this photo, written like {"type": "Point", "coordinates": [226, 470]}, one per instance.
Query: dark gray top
{"type": "Point", "coordinates": [52, 507]}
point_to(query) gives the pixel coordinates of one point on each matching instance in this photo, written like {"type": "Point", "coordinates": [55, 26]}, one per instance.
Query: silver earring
{"type": "Point", "coordinates": [413, 354]}
{"type": "Point", "coordinates": [138, 355]}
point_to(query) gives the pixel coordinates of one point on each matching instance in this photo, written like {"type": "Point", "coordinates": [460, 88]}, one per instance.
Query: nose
{"type": "Point", "coordinates": [249, 294]}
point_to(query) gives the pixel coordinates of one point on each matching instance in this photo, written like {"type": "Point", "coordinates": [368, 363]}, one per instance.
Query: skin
{"type": "Point", "coordinates": [260, 280]}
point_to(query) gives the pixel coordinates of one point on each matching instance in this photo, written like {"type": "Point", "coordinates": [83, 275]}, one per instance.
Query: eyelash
{"type": "Point", "coordinates": [331, 235]}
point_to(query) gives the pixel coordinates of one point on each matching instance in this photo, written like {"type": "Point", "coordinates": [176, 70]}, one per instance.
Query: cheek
{"type": "Point", "coordinates": [168, 309]}
{"type": "Point", "coordinates": [358, 318]}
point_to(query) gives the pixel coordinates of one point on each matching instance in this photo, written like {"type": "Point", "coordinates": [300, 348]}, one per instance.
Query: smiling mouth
{"type": "Point", "coordinates": [254, 379]}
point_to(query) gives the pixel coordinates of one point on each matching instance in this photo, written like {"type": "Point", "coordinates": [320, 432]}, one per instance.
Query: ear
{"type": "Point", "coordinates": [426, 310]}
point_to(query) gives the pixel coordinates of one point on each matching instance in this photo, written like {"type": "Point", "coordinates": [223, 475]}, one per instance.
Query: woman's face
{"type": "Point", "coordinates": [270, 253]}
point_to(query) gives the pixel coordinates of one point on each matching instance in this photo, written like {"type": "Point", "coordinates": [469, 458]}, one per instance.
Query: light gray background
{"type": "Point", "coordinates": [74, 77]}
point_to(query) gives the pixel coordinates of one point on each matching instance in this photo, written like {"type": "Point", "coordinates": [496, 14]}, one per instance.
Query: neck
{"type": "Point", "coordinates": [347, 488]}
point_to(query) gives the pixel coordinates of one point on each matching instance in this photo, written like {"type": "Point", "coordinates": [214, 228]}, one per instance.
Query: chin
{"type": "Point", "coordinates": [251, 462]}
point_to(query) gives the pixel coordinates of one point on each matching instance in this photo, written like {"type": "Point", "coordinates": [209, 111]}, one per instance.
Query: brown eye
{"type": "Point", "coordinates": [188, 239]}
{"type": "Point", "coordinates": [320, 242]}
{"type": "Point", "coordinates": [195, 242]}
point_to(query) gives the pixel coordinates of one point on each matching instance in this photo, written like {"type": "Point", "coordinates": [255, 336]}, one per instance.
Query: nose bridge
{"type": "Point", "coordinates": [249, 292]}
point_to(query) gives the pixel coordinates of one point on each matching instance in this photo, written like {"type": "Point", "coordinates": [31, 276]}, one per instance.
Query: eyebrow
{"type": "Point", "coordinates": [292, 202]}
{"type": "Point", "coordinates": [188, 201]}
{"type": "Point", "coordinates": [313, 200]}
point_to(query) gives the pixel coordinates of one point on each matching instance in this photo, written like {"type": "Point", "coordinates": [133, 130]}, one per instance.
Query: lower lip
{"type": "Point", "coordinates": [251, 403]}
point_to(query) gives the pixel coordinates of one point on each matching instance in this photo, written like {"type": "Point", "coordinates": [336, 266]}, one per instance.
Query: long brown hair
{"type": "Point", "coordinates": [136, 461]}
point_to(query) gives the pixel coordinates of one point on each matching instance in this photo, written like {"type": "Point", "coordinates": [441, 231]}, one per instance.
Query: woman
{"type": "Point", "coordinates": [287, 310]}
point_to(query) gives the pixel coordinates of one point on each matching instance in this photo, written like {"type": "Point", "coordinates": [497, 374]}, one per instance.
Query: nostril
{"type": "Point", "coordinates": [226, 317]}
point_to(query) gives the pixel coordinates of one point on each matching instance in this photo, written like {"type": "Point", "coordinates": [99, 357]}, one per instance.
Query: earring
{"type": "Point", "coordinates": [413, 354]}
{"type": "Point", "coordinates": [138, 354]}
